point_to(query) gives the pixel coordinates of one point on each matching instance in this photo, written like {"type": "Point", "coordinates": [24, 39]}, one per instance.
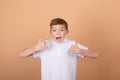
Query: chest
{"type": "Point", "coordinates": [58, 50]}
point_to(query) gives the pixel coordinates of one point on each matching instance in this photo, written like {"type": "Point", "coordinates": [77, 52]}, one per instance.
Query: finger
{"type": "Point", "coordinates": [44, 41]}
{"type": "Point", "coordinates": [75, 44]}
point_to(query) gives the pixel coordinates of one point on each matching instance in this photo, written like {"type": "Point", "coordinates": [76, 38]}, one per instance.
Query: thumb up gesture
{"type": "Point", "coordinates": [74, 48]}
{"type": "Point", "coordinates": [41, 45]}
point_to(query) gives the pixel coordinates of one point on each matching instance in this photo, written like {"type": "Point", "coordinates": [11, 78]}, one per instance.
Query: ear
{"type": "Point", "coordinates": [67, 31]}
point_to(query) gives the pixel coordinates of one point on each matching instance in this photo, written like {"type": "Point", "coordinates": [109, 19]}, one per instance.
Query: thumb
{"type": "Point", "coordinates": [75, 43]}
{"type": "Point", "coordinates": [40, 40]}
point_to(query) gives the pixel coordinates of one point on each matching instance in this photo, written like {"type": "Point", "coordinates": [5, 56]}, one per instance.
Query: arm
{"type": "Point", "coordinates": [87, 53]}
{"type": "Point", "coordinates": [29, 51]}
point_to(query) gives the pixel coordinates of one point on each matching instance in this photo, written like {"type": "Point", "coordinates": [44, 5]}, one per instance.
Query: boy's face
{"type": "Point", "coordinates": [58, 32]}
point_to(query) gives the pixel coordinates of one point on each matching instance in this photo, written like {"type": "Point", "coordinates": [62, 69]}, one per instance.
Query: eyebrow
{"type": "Point", "coordinates": [60, 27]}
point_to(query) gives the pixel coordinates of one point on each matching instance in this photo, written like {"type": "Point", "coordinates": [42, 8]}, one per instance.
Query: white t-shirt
{"type": "Point", "coordinates": [57, 63]}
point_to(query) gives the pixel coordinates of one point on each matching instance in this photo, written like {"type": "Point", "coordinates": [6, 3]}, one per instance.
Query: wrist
{"type": "Point", "coordinates": [81, 51]}
{"type": "Point", "coordinates": [35, 49]}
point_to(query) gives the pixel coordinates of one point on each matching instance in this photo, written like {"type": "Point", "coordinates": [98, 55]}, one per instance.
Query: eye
{"type": "Point", "coordinates": [53, 30]}
{"type": "Point", "coordinates": [62, 30]}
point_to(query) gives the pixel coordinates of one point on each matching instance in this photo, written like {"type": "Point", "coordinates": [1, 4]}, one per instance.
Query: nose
{"type": "Point", "coordinates": [58, 32]}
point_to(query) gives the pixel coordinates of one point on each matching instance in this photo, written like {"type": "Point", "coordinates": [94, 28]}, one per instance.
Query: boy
{"type": "Point", "coordinates": [58, 55]}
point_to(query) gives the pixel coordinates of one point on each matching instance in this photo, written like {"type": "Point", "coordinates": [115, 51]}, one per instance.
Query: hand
{"type": "Point", "coordinates": [41, 45]}
{"type": "Point", "coordinates": [74, 48]}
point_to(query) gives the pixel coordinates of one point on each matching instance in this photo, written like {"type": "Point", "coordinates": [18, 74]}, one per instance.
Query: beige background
{"type": "Point", "coordinates": [94, 23]}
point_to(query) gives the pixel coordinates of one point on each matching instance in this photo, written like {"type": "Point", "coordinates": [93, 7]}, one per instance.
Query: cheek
{"type": "Point", "coordinates": [63, 33]}
{"type": "Point", "coordinates": [52, 34]}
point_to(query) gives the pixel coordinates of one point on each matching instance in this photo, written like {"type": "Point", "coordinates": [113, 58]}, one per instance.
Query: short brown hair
{"type": "Point", "coordinates": [60, 21]}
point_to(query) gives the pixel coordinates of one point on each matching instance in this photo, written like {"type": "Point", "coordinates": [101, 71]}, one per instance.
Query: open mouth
{"type": "Point", "coordinates": [58, 38]}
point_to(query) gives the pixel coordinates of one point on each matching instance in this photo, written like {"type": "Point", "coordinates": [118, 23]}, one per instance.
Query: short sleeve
{"type": "Point", "coordinates": [37, 54]}
{"type": "Point", "coordinates": [40, 53]}
{"type": "Point", "coordinates": [81, 47]}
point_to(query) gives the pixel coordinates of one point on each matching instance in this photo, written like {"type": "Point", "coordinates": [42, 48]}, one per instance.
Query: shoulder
{"type": "Point", "coordinates": [70, 41]}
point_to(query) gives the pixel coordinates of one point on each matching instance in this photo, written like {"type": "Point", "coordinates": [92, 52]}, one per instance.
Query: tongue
{"type": "Point", "coordinates": [58, 37]}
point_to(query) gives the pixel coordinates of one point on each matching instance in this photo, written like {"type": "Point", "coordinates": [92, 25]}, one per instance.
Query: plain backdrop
{"type": "Point", "coordinates": [93, 23]}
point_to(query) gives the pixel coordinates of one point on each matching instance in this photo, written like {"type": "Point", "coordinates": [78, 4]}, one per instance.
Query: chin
{"type": "Point", "coordinates": [58, 41]}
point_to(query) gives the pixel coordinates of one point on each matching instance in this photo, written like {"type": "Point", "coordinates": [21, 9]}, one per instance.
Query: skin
{"type": "Point", "coordinates": [87, 53]}
{"type": "Point", "coordinates": [29, 51]}
{"type": "Point", "coordinates": [58, 33]}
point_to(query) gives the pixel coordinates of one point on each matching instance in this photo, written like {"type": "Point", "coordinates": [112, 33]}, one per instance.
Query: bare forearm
{"type": "Point", "coordinates": [89, 53]}
{"type": "Point", "coordinates": [39, 47]}
{"type": "Point", "coordinates": [28, 52]}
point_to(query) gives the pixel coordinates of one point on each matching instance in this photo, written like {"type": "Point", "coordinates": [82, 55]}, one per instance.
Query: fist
{"type": "Point", "coordinates": [41, 45]}
{"type": "Point", "coordinates": [74, 48]}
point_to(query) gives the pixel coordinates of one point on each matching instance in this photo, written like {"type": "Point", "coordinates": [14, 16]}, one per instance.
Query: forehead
{"type": "Point", "coordinates": [58, 26]}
